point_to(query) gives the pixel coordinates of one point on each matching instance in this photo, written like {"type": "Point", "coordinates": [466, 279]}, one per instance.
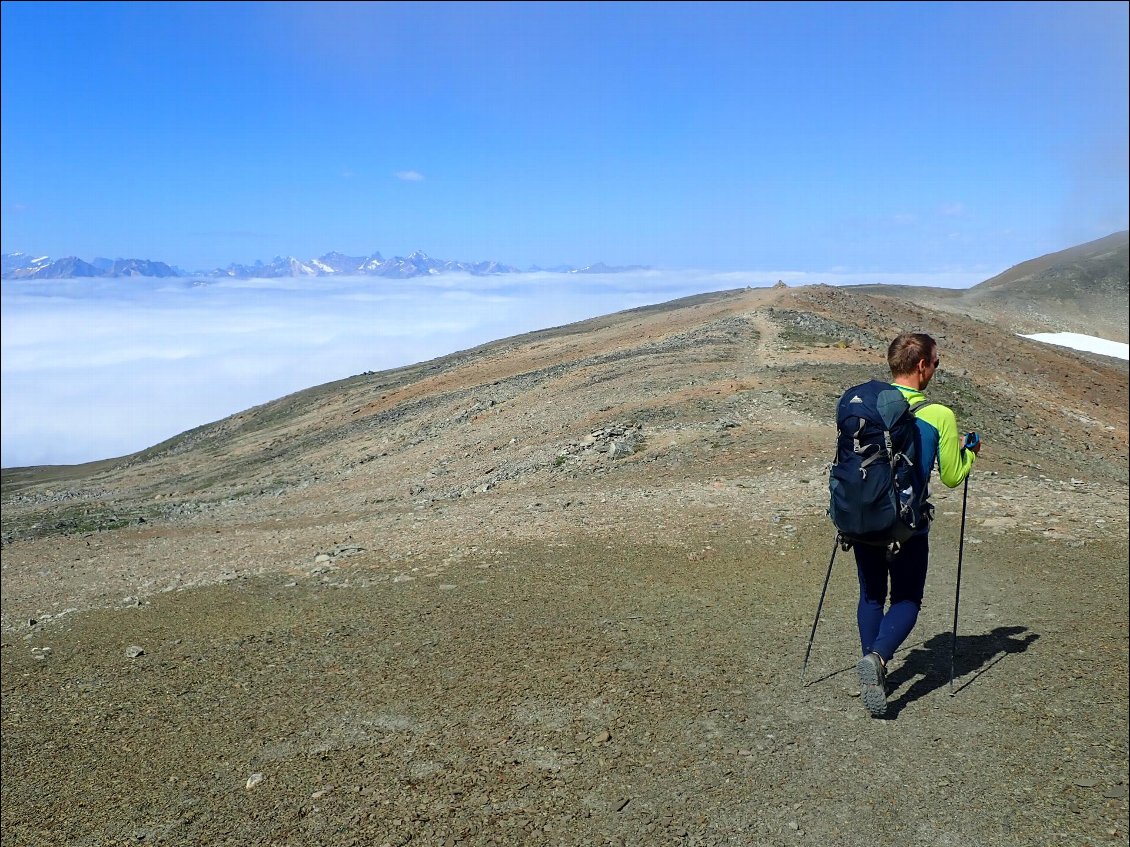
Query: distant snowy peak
{"type": "Point", "coordinates": [339, 263]}
{"type": "Point", "coordinates": [415, 264]}
{"type": "Point", "coordinates": [601, 268]}
{"type": "Point", "coordinates": [139, 267]}
{"type": "Point", "coordinates": [13, 262]}
{"type": "Point", "coordinates": [419, 263]}
{"type": "Point", "coordinates": [17, 266]}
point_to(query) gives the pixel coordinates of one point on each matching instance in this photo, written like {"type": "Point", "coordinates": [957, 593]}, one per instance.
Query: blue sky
{"type": "Point", "coordinates": [857, 137]}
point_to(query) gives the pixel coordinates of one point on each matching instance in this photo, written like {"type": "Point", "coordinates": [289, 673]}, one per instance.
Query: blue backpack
{"type": "Point", "coordinates": [875, 495]}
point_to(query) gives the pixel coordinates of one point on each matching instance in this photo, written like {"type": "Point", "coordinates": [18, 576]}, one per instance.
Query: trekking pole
{"type": "Point", "coordinates": [957, 596]}
{"type": "Point", "coordinates": [820, 605]}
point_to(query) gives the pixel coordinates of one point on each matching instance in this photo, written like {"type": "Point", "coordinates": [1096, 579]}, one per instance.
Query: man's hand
{"type": "Point", "coordinates": [971, 441]}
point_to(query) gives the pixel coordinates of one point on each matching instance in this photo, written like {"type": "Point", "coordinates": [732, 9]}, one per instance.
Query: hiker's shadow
{"type": "Point", "coordinates": [928, 664]}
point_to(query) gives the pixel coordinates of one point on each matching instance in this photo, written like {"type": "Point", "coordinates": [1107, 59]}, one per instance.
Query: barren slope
{"type": "Point", "coordinates": [557, 589]}
{"type": "Point", "coordinates": [1084, 289]}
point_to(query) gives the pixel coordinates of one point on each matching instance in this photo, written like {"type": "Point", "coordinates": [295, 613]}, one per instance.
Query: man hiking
{"type": "Point", "coordinates": [913, 359]}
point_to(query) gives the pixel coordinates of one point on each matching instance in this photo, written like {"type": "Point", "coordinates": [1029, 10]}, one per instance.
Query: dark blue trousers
{"type": "Point", "coordinates": [881, 632]}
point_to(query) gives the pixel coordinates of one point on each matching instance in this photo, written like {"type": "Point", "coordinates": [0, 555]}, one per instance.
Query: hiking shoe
{"type": "Point", "coordinates": [873, 684]}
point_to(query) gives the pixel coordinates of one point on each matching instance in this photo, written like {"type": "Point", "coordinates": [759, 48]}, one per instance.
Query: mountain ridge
{"type": "Point", "coordinates": [1082, 289]}
{"type": "Point", "coordinates": [23, 266]}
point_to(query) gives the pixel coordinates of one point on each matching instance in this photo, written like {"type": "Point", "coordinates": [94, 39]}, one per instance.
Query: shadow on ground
{"type": "Point", "coordinates": [927, 667]}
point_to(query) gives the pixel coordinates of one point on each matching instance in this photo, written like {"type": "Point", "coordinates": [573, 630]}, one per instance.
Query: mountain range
{"type": "Point", "coordinates": [25, 266]}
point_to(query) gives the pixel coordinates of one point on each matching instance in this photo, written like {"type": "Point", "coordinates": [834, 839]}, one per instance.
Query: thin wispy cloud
{"type": "Point", "coordinates": [952, 210]}
{"type": "Point", "coordinates": [410, 176]}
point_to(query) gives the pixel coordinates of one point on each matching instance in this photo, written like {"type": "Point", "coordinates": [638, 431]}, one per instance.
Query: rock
{"type": "Point", "coordinates": [133, 651]}
{"type": "Point", "coordinates": [346, 550]}
{"type": "Point", "coordinates": [620, 450]}
{"type": "Point", "coordinates": [254, 780]}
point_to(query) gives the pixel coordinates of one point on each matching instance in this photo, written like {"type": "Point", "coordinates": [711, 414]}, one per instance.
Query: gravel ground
{"type": "Point", "coordinates": [580, 692]}
{"type": "Point", "coordinates": [479, 621]}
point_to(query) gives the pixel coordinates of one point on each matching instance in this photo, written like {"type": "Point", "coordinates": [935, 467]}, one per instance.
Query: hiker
{"type": "Point", "coordinates": [913, 359]}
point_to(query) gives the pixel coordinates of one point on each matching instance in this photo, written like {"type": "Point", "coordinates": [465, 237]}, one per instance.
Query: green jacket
{"type": "Point", "coordinates": [941, 442]}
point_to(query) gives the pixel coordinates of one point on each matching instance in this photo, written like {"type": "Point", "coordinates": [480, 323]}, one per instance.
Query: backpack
{"type": "Point", "coordinates": [874, 495]}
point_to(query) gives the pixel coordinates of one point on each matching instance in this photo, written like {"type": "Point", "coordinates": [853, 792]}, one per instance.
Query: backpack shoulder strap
{"type": "Point", "coordinates": [921, 404]}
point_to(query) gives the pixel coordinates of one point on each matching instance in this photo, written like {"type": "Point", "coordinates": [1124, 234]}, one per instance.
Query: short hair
{"type": "Point", "coordinates": [907, 350]}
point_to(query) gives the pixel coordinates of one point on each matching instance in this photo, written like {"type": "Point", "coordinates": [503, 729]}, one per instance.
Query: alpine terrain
{"type": "Point", "coordinates": [557, 590]}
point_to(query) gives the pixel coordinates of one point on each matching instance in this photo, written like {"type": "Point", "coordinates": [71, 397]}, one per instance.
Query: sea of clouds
{"type": "Point", "coordinates": [97, 368]}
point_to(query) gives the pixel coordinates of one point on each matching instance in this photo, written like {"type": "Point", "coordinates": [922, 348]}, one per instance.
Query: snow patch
{"type": "Point", "coordinates": [1086, 343]}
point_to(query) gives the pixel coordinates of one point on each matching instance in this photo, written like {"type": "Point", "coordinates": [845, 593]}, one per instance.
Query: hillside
{"type": "Point", "coordinates": [1084, 289]}
{"type": "Point", "coordinates": [556, 590]}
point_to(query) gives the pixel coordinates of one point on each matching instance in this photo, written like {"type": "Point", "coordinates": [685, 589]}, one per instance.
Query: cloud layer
{"type": "Point", "coordinates": [100, 368]}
